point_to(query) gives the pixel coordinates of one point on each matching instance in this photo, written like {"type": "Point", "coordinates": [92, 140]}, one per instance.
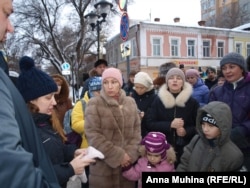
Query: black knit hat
{"type": "Point", "coordinates": [101, 61]}
{"type": "Point", "coordinates": [32, 82]}
{"type": "Point", "coordinates": [205, 117]}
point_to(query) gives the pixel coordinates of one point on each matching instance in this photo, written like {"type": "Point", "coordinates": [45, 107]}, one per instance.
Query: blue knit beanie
{"type": "Point", "coordinates": [95, 84]}
{"type": "Point", "coordinates": [234, 58]}
{"type": "Point", "coordinates": [32, 82]}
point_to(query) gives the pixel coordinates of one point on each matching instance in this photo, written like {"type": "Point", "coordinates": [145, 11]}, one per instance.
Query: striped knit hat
{"type": "Point", "coordinates": [155, 142]}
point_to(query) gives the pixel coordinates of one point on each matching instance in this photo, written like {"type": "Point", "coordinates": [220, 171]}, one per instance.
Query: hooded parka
{"type": "Point", "coordinates": [217, 155]}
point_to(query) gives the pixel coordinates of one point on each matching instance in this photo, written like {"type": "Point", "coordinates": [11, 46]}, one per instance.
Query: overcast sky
{"type": "Point", "coordinates": [188, 11]}
{"type": "Point", "coordinates": [166, 10]}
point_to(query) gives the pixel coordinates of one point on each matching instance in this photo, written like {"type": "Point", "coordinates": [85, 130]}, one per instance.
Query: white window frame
{"type": "Point", "coordinates": [248, 49]}
{"type": "Point", "coordinates": [194, 47]}
{"type": "Point", "coordinates": [238, 47]}
{"type": "Point", "coordinates": [160, 45]}
{"type": "Point", "coordinates": [221, 49]}
{"type": "Point", "coordinates": [178, 39]}
{"type": "Point", "coordinates": [208, 48]}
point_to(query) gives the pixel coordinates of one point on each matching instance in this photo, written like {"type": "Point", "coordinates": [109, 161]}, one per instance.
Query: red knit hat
{"type": "Point", "coordinates": [155, 142]}
{"type": "Point", "coordinates": [112, 73]}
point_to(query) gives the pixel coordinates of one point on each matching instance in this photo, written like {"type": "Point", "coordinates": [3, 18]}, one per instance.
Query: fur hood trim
{"type": "Point", "coordinates": [168, 99]}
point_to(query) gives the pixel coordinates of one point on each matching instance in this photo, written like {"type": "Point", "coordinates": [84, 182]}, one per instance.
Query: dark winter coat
{"type": "Point", "coordinates": [59, 153]}
{"type": "Point", "coordinates": [143, 103]}
{"type": "Point", "coordinates": [239, 101]}
{"type": "Point", "coordinates": [24, 162]}
{"type": "Point", "coordinates": [218, 155]}
{"type": "Point", "coordinates": [166, 107]}
{"type": "Point", "coordinates": [114, 128]}
{"type": "Point", "coordinates": [210, 83]}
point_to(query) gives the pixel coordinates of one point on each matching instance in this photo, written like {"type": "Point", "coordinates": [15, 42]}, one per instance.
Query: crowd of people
{"type": "Point", "coordinates": [178, 122]}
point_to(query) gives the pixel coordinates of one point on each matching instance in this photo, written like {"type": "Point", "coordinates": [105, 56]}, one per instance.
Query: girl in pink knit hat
{"type": "Point", "coordinates": [157, 156]}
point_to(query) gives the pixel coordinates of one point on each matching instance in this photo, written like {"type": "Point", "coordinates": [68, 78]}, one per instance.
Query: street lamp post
{"type": "Point", "coordinates": [103, 7]}
{"type": "Point", "coordinates": [72, 58]}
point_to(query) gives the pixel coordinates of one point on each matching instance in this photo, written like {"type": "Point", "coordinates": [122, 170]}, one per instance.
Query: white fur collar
{"type": "Point", "coordinates": [169, 101]}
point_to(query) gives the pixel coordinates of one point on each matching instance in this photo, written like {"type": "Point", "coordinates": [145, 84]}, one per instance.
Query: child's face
{"type": "Point", "coordinates": [153, 158]}
{"type": "Point", "coordinates": [210, 131]}
{"type": "Point", "coordinates": [221, 81]}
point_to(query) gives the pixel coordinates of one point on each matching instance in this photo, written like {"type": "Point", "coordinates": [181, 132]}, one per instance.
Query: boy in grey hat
{"type": "Point", "coordinates": [212, 150]}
